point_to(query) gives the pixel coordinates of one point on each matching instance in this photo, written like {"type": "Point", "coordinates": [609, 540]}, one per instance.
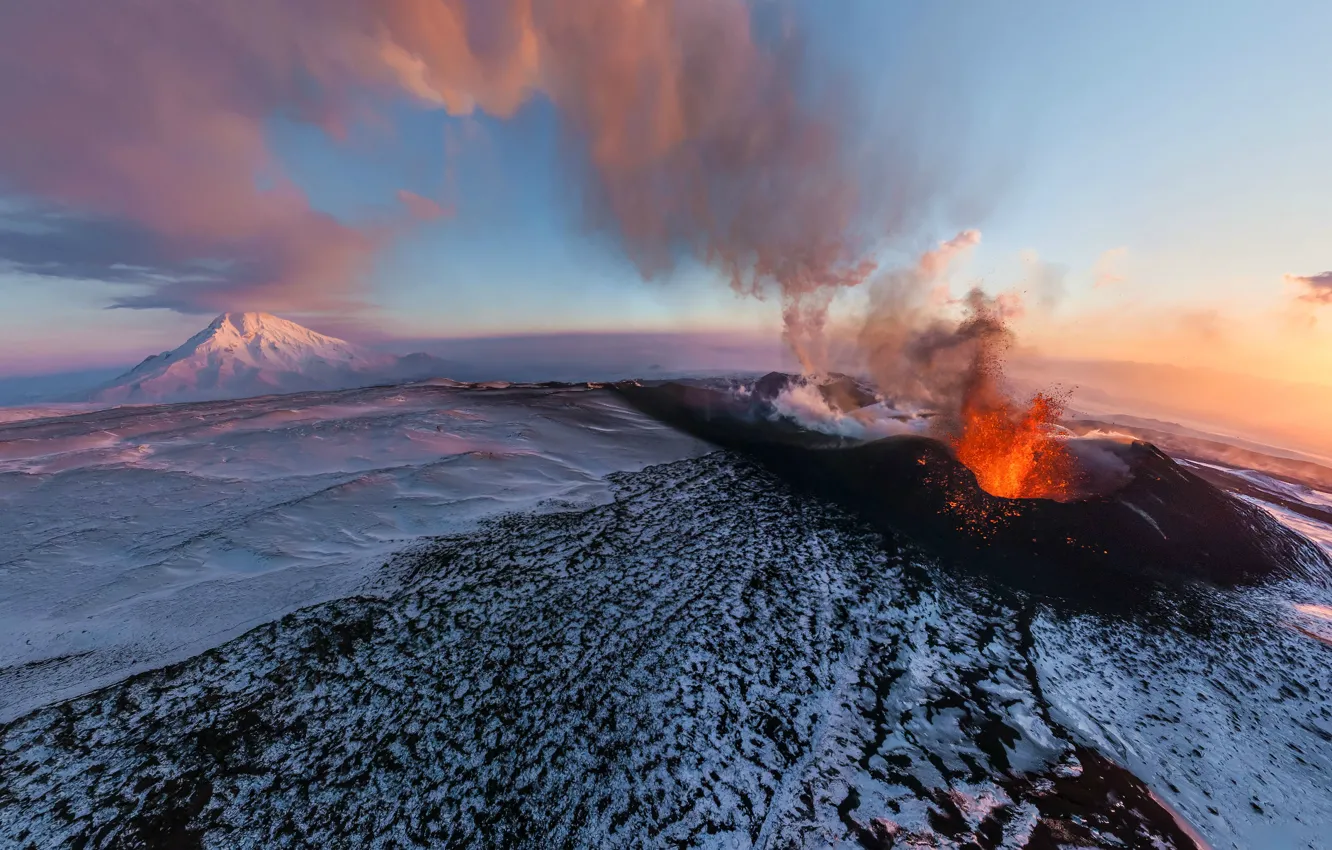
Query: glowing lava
{"type": "Point", "coordinates": [1012, 449]}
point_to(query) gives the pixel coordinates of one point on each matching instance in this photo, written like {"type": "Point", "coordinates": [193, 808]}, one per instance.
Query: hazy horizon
{"type": "Point", "coordinates": [1281, 414]}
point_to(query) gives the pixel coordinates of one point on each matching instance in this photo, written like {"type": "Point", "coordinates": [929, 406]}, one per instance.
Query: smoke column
{"type": "Point", "coordinates": [913, 354]}
{"type": "Point", "coordinates": [692, 137]}
{"type": "Point", "coordinates": [695, 138]}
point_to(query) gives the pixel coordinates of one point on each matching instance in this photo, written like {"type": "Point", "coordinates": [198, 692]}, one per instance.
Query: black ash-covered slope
{"type": "Point", "coordinates": [710, 660]}
{"type": "Point", "coordinates": [1163, 524]}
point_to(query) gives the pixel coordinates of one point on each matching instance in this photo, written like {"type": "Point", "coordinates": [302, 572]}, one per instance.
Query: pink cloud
{"type": "Point", "coordinates": [422, 209]}
{"type": "Point", "coordinates": [156, 118]}
{"type": "Point", "coordinates": [691, 134]}
{"type": "Point", "coordinates": [935, 263]}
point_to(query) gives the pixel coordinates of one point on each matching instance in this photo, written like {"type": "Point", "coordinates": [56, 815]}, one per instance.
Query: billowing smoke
{"type": "Point", "coordinates": [696, 137]}
{"type": "Point", "coordinates": [803, 402]}
{"type": "Point", "coordinates": [912, 351]}
{"type": "Point", "coordinates": [149, 116]}
{"type": "Point", "coordinates": [921, 353]}
{"type": "Point", "coordinates": [950, 360]}
{"type": "Point", "coordinates": [137, 130]}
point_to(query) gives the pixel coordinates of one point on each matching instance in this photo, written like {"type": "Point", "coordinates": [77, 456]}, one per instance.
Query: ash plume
{"type": "Point", "coordinates": [694, 136]}
{"type": "Point", "coordinates": [913, 353]}
{"type": "Point", "coordinates": [919, 355]}
{"type": "Point", "coordinates": [955, 359]}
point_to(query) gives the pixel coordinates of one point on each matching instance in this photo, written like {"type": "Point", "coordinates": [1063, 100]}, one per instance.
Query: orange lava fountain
{"type": "Point", "coordinates": [1011, 448]}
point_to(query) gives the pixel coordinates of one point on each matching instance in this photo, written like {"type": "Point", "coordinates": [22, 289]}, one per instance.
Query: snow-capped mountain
{"type": "Point", "coordinates": [250, 354]}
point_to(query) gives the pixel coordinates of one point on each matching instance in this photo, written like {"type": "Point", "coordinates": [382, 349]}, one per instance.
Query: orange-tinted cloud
{"type": "Point", "coordinates": [1210, 327]}
{"type": "Point", "coordinates": [695, 137]}
{"type": "Point", "coordinates": [935, 262]}
{"type": "Point", "coordinates": [698, 141]}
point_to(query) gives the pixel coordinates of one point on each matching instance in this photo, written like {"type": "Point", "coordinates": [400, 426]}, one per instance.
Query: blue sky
{"type": "Point", "coordinates": [1191, 136]}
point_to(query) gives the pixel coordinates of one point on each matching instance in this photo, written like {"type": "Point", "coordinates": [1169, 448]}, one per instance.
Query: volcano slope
{"type": "Point", "coordinates": [1161, 524]}
{"type": "Point", "coordinates": [710, 660]}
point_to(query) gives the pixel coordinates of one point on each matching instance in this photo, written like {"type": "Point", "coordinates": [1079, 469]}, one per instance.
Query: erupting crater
{"type": "Point", "coordinates": [1085, 515]}
{"type": "Point", "coordinates": [1015, 451]}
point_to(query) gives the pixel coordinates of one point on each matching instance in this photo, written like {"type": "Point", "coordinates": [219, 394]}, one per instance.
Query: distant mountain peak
{"type": "Point", "coordinates": [264, 332]}
{"type": "Point", "coordinates": [253, 353]}
{"type": "Point", "coordinates": [255, 322]}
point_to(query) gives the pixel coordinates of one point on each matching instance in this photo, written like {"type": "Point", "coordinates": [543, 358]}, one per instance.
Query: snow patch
{"type": "Point", "coordinates": [138, 535]}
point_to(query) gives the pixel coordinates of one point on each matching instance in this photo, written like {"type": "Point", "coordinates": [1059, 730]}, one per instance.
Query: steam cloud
{"type": "Point", "coordinates": [697, 138]}
{"type": "Point", "coordinates": [914, 354]}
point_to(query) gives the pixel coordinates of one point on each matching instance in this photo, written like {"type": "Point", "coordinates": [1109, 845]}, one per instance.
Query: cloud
{"type": "Point", "coordinates": [1106, 270]}
{"type": "Point", "coordinates": [154, 121]}
{"type": "Point", "coordinates": [1317, 288]}
{"type": "Point", "coordinates": [59, 244]}
{"type": "Point", "coordinates": [694, 136]}
{"type": "Point", "coordinates": [50, 244]}
{"type": "Point", "coordinates": [312, 269]}
{"type": "Point", "coordinates": [935, 262]}
{"type": "Point", "coordinates": [422, 209]}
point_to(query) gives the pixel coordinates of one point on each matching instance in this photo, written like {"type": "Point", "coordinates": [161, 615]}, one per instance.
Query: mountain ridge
{"type": "Point", "coordinates": [249, 354]}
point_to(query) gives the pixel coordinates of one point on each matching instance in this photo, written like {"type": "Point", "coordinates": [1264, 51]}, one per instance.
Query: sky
{"type": "Point", "coordinates": [1150, 176]}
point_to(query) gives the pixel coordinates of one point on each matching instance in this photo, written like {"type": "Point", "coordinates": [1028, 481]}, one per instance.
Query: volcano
{"type": "Point", "coordinates": [543, 619]}
{"type": "Point", "coordinates": [1156, 522]}
{"type": "Point", "coordinates": [251, 354]}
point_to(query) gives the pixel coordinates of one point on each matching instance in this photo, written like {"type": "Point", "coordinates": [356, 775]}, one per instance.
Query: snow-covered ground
{"type": "Point", "coordinates": [1297, 505]}
{"type": "Point", "coordinates": [613, 637]}
{"type": "Point", "coordinates": [135, 536]}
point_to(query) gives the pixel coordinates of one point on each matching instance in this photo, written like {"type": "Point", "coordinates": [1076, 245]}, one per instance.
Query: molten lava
{"type": "Point", "coordinates": [1011, 448]}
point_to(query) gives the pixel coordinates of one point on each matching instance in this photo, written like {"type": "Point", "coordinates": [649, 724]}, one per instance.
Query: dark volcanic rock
{"type": "Point", "coordinates": [771, 385]}
{"type": "Point", "coordinates": [1165, 524]}
{"type": "Point", "coordinates": [711, 660]}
